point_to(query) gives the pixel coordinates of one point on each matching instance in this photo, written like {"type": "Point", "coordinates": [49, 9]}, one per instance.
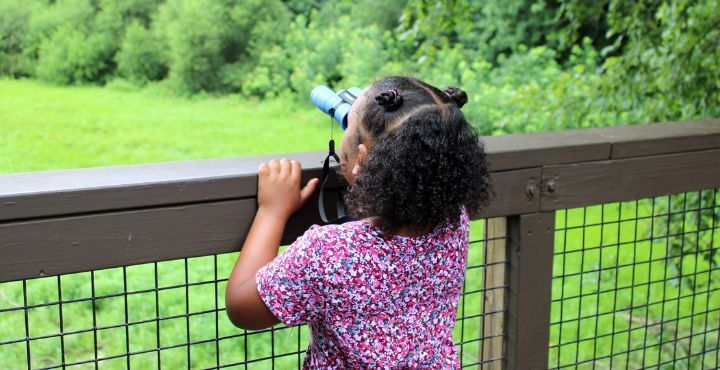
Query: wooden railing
{"type": "Point", "coordinates": [62, 222]}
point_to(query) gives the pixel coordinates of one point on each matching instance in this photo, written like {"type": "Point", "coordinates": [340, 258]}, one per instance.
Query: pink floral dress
{"type": "Point", "coordinates": [371, 302]}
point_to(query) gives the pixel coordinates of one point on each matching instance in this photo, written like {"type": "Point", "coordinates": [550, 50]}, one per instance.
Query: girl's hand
{"type": "Point", "coordinates": [279, 196]}
{"type": "Point", "coordinates": [279, 192]}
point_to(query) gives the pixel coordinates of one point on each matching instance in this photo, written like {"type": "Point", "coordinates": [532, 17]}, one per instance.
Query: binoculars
{"type": "Point", "coordinates": [336, 105]}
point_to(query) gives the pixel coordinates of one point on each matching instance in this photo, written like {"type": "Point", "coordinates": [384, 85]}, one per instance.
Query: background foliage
{"type": "Point", "coordinates": [528, 65]}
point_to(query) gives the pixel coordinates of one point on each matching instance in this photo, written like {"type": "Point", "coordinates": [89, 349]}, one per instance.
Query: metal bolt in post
{"type": "Point", "coordinates": [551, 185]}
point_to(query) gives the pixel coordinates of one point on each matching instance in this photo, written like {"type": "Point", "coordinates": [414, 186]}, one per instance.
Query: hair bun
{"type": "Point", "coordinates": [389, 99]}
{"type": "Point", "coordinates": [457, 95]}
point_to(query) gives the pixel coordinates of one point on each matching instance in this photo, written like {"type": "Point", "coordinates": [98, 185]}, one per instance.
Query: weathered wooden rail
{"type": "Point", "coordinates": [60, 222]}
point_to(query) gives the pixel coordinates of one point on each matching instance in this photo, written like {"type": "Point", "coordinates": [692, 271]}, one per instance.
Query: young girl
{"type": "Point", "coordinates": [381, 292]}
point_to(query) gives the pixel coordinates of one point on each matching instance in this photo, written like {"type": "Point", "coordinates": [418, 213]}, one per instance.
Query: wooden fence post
{"type": "Point", "coordinates": [494, 283]}
{"type": "Point", "coordinates": [529, 295]}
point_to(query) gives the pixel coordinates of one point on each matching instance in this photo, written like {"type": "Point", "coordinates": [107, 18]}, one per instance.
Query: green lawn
{"type": "Point", "coordinates": [46, 127]}
{"type": "Point", "coordinates": [622, 290]}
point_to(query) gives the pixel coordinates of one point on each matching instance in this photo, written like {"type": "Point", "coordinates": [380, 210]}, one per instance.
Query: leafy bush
{"type": "Point", "coordinates": [141, 57]}
{"type": "Point", "coordinates": [667, 64]}
{"type": "Point", "coordinates": [71, 56]}
{"type": "Point", "coordinates": [214, 44]}
{"type": "Point", "coordinates": [255, 26]}
{"type": "Point", "coordinates": [194, 30]}
{"type": "Point", "coordinates": [45, 19]}
{"type": "Point", "coordinates": [14, 18]}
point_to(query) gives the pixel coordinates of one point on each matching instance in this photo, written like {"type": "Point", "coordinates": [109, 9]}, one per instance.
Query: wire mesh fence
{"type": "Point", "coordinates": [171, 315]}
{"type": "Point", "coordinates": [637, 284]}
{"type": "Point", "coordinates": [479, 328]}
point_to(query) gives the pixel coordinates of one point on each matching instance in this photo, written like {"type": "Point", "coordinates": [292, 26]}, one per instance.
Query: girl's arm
{"type": "Point", "coordinates": [279, 196]}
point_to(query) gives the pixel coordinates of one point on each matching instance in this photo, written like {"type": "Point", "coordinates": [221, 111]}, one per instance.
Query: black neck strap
{"type": "Point", "coordinates": [341, 217]}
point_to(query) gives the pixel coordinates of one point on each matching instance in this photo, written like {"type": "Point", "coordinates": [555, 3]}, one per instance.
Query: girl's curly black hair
{"type": "Point", "coordinates": [425, 160]}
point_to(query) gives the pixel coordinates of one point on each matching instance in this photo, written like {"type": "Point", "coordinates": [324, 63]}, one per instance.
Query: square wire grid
{"type": "Point", "coordinates": [637, 284]}
{"type": "Point", "coordinates": [480, 326]}
{"type": "Point", "coordinates": [171, 315]}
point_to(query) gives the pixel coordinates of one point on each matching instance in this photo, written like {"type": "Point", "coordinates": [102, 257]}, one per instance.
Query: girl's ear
{"type": "Point", "coordinates": [362, 153]}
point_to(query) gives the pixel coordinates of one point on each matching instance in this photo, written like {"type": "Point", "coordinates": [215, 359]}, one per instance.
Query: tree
{"type": "Point", "coordinates": [141, 57]}
{"type": "Point", "coordinates": [14, 17]}
{"type": "Point", "coordinates": [72, 56]}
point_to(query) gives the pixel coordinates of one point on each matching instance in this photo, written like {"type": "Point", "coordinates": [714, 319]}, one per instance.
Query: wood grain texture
{"type": "Point", "coordinates": [516, 151]}
{"type": "Point", "coordinates": [591, 144]}
{"type": "Point", "coordinates": [511, 188]}
{"type": "Point", "coordinates": [664, 138]}
{"type": "Point", "coordinates": [583, 184]}
{"type": "Point", "coordinates": [66, 192]}
{"type": "Point", "coordinates": [528, 313]}
{"type": "Point", "coordinates": [89, 242]}
{"type": "Point", "coordinates": [65, 244]}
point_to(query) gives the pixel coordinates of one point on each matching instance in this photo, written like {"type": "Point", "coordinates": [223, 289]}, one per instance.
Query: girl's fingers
{"type": "Point", "coordinates": [296, 170]}
{"type": "Point", "coordinates": [308, 190]}
{"type": "Point", "coordinates": [285, 167]}
{"type": "Point", "coordinates": [274, 166]}
{"type": "Point", "coordinates": [263, 169]}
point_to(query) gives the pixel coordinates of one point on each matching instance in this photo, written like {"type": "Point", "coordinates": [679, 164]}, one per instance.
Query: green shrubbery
{"type": "Point", "coordinates": [528, 65]}
{"type": "Point", "coordinates": [142, 57]}
{"type": "Point", "coordinates": [73, 56]}
{"type": "Point", "coordinates": [14, 19]}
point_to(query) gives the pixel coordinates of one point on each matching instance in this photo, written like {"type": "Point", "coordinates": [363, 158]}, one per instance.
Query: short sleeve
{"type": "Point", "coordinates": [289, 284]}
{"type": "Point", "coordinates": [464, 225]}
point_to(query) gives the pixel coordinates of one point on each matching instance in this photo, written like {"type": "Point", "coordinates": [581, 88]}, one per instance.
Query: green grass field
{"type": "Point", "coordinates": [622, 290]}
{"type": "Point", "coordinates": [47, 127]}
